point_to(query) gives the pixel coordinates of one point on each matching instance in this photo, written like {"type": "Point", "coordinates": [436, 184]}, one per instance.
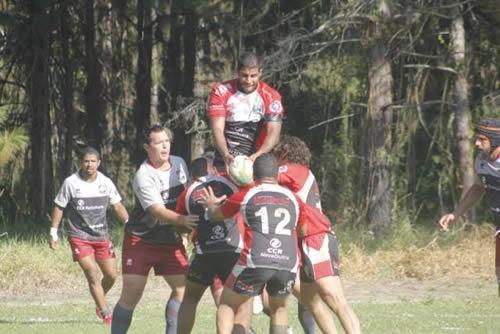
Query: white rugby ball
{"type": "Point", "coordinates": [240, 170]}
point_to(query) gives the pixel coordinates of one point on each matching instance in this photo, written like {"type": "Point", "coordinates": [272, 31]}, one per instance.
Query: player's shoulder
{"type": "Point", "coordinates": [266, 90]}
{"type": "Point", "coordinates": [175, 160]}
{"type": "Point", "coordinates": [224, 88]}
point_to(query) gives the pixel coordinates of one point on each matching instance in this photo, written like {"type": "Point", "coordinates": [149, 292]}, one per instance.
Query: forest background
{"type": "Point", "coordinates": [385, 93]}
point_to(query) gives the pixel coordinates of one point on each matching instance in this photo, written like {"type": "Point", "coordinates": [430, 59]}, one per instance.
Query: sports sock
{"type": "Point", "coordinates": [306, 319]}
{"type": "Point", "coordinates": [121, 320]}
{"type": "Point", "coordinates": [171, 312]}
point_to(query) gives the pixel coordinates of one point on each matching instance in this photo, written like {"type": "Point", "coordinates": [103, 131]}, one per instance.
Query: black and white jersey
{"type": "Point", "coordinates": [211, 237]}
{"type": "Point", "coordinates": [271, 214]}
{"type": "Point", "coordinates": [154, 186]}
{"type": "Point", "coordinates": [489, 175]}
{"type": "Point", "coordinates": [85, 205]}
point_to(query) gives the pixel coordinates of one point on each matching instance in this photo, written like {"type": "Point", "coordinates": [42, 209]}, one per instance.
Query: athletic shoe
{"type": "Point", "coordinates": [108, 319]}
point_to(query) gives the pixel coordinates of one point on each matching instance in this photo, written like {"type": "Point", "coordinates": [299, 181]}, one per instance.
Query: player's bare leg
{"type": "Point", "coordinates": [243, 316]}
{"type": "Point", "coordinates": [306, 318]}
{"type": "Point", "coordinates": [229, 304]}
{"type": "Point", "coordinates": [91, 271]}
{"type": "Point", "coordinates": [279, 315]}
{"type": "Point", "coordinates": [187, 311]}
{"type": "Point", "coordinates": [310, 297]}
{"type": "Point", "coordinates": [332, 293]}
{"type": "Point", "coordinates": [132, 289]}
{"type": "Point", "coordinates": [108, 268]}
{"type": "Point", "coordinates": [177, 283]}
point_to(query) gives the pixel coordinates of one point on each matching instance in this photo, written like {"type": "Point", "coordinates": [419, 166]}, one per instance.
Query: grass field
{"type": "Point", "coordinates": [478, 315]}
{"type": "Point", "coordinates": [414, 281]}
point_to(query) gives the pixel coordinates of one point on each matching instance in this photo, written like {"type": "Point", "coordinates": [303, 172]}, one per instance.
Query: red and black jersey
{"type": "Point", "coordinates": [271, 214]}
{"type": "Point", "coordinates": [245, 114]}
{"type": "Point", "coordinates": [209, 237]}
{"type": "Point", "coordinates": [299, 179]}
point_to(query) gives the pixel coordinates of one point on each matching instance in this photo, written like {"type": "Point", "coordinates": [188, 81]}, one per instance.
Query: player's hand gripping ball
{"type": "Point", "coordinates": [241, 170]}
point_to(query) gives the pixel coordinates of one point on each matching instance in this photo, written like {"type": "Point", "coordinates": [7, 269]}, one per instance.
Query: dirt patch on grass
{"type": "Point", "coordinates": [378, 291]}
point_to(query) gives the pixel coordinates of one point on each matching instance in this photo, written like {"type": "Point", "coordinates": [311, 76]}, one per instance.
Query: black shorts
{"type": "Point", "coordinates": [251, 281]}
{"type": "Point", "coordinates": [205, 267]}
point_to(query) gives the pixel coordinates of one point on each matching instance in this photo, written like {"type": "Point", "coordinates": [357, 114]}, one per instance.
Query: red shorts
{"type": "Point", "coordinates": [139, 256]}
{"type": "Point", "coordinates": [102, 249]}
{"type": "Point", "coordinates": [320, 255]}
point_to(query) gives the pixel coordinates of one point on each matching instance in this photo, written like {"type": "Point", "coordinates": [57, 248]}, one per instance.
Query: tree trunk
{"type": "Point", "coordinates": [142, 110]}
{"type": "Point", "coordinates": [37, 67]}
{"type": "Point", "coordinates": [93, 91]}
{"type": "Point", "coordinates": [461, 101]}
{"type": "Point", "coordinates": [67, 92]}
{"type": "Point", "coordinates": [379, 121]}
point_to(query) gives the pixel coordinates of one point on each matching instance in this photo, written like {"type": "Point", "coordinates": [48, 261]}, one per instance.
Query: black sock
{"type": "Point", "coordinates": [306, 319]}
{"type": "Point", "coordinates": [121, 320]}
{"type": "Point", "coordinates": [171, 312]}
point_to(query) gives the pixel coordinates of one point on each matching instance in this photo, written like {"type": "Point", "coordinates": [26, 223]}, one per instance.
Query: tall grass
{"type": "Point", "coordinates": [418, 252]}
{"type": "Point", "coordinates": [408, 251]}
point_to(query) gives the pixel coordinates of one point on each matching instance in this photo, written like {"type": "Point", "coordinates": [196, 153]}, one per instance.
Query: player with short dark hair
{"type": "Point", "coordinates": [319, 274]}
{"type": "Point", "coordinates": [217, 246]}
{"type": "Point", "coordinates": [151, 237]}
{"type": "Point", "coordinates": [245, 113]}
{"type": "Point", "coordinates": [83, 199]}
{"type": "Point", "coordinates": [487, 167]}
{"type": "Point", "coordinates": [269, 258]}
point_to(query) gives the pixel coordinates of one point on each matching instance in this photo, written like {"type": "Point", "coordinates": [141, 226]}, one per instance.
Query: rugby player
{"type": "Point", "coordinates": [152, 238]}
{"type": "Point", "coordinates": [83, 199]}
{"type": "Point", "coordinates": [217, 246]}
{"type": "Point", "coordinates": [487, 167]}
{"type": "Point", "coordinates": [269, 257]}
{"type": "Point", "coordinates": [319, 274]}
{"type": "Point", "coordinates": [245, 113]}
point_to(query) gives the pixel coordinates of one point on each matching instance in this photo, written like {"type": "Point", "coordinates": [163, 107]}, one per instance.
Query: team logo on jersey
{"type": "Point", "coordinates": [77, 190]}
{"type": "Point", "coordinates": [222, 89]}
{"type": "Point", "coordinates": [275, 107]}
{"type": "Point", "coordinates": [164, 195]}
{"type": "Point", "coordinates": [102, 188]}
{"type": "Point", "coordinates": [275, 243]}
{"type": "Point", "coordinates": [283, 169]}
{"type": "Point", "coordinates": [182, 176]}
{"type": "Point", "coordinates": [217, 232]}
{"type": "Point", "coordinates": [129, 262]}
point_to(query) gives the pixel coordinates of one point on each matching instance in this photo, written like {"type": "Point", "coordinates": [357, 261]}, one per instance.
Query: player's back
{"type": "Point", "coordinates": [271, 213]}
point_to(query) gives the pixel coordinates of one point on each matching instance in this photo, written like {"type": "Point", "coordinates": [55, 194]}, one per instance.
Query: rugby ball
{"type": "Point", "coordinates": [240, 170]}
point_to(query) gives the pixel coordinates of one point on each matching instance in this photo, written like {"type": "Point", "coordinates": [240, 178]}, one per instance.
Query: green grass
{"type": "Point", "coordinates": [429, 316]}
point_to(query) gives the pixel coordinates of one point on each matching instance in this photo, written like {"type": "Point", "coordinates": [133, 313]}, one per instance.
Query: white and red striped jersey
{"type": "Point", "coordinates": [299, 179]}
{"type": "Point", "coordinates": [245, 114]}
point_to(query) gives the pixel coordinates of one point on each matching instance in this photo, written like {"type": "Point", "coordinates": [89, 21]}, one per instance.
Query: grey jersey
{"type": "Point", "coordinates": [85, 204]}
{"type": "Point", "coordinates": [154, 186]}
{"type": "Point", "coordinates": [489, 175]}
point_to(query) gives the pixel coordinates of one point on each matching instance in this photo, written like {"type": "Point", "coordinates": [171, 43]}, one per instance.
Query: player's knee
{"type": "Point", "coordinates": [93, 276]}
{"type": "Point", "coordinates": [112, 276]}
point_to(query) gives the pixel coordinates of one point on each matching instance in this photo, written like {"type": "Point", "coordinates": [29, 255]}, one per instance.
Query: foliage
{"type": "Point", "coordinates": [318, 53]}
